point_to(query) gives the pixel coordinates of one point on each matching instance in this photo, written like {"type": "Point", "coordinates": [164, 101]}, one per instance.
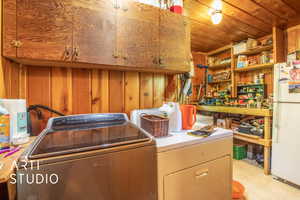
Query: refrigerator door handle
{"type": "Point", "coordinates": [275, 122]}
{"type": "Point", "coordinates": [276, 82]}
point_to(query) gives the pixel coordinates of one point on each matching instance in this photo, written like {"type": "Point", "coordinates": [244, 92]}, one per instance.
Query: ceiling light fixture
{"type": "Point", "coordinates": [216, 12]}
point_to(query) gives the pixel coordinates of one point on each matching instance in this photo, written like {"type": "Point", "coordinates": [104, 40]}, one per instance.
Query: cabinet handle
{"type": "Point", "coordinates": [161, 61]}
{"type": "Point", "coordinates": [75, 54]}
{"type": "Point", "coordinates": [16, 43]}
{"type": "Point", "coordinates": [67, 53]}
{"type": "Point", "coordinates": [201, 174]}
{"type": "Point", "coordinates": [115, 54]}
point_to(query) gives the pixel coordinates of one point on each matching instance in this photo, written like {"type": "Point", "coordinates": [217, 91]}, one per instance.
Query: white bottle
{"type": "Point", "coordinates": [175, 124]}
{"type": "Point", "coordinates": [178, 118]}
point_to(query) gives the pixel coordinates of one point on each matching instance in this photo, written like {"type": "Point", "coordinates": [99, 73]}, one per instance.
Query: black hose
{"type": "Point", "coordinates": [36, 108]}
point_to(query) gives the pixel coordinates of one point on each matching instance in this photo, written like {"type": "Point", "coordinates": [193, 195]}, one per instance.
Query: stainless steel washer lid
{"type": "Point", "coordinates": [86, 137]}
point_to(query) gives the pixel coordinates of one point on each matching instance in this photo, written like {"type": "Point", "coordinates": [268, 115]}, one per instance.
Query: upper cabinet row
{"type": "Point", "coordinates": [105, 32]}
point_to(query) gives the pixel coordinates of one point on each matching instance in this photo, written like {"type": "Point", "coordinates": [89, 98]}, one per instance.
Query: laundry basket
{"type": "Point", "coordinates": [155, 125]}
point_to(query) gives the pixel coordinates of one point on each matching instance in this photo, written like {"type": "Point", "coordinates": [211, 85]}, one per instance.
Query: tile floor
{"type": "Point", "coordinates": [261, 187]}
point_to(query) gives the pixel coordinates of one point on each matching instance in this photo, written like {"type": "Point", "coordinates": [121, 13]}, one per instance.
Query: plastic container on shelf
{"type": "Point", "coordinates": [4, 128]}
{"type": "Point", "coordinates": [239, 47]}
{"type": "Point", "coordinates": [239, 152]}
{"type": "Point", "coordinates": [18, 120]}
{"type": "Point", "coordinates": [176, 6]}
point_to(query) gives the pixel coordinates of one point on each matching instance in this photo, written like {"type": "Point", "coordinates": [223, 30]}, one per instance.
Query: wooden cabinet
{"type": "Point", "coordinates": [174, 41]}
{"type": "Point", "coordinates": [204, 181]}
{"type": "Point", "coordinates": [138, 34]}
{"type": "Point", "coordinates": [44, 29]}
{"type": "Point", "coordinates": [9, 28]}
{"type": "Point", "coordinates": [103, 33]}
{"type": "Point", "coordinates": [94, 35]}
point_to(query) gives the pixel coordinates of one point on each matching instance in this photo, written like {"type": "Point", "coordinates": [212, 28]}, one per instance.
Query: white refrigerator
{"type": "Point", "coordinates": [286, 123]}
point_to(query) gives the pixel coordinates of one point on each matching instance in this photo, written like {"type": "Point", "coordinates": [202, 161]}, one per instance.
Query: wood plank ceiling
{"type": "Point", "coordinates": [242, 19]}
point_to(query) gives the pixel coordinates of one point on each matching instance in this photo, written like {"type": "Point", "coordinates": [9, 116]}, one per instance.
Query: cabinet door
{"type": "Point", "coordinates": [211, 181]}
{"type": "Point", "coordinates": [174, 41]}
{"type": "Point", "coordinates": [138, 34]}
{"type": "Point", "coordinates": [95, 31]}
{"type": "Point", "coordinates": [44, 28]}
{"type": "Point", "coordinates": [9, 29]}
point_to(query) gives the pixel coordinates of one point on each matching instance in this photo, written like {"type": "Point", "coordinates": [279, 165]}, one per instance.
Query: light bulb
{"type": "Point", "coordinates": [216, 17]}
{"type": "Point", "coordinates": [217, 5]}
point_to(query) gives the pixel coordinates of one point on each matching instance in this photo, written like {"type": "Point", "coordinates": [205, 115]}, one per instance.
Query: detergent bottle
{"type": "Point", "coordinates": [172, 109]}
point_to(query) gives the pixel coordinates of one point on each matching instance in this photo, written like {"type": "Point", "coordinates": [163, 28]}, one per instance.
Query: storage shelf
{"type": "Point", "coordinates": [255, 67]}
{"type": "Point", "coordinates": [220, 50]}
{"type": "Point", "coordinates": [243, 93]}
{"type": "Point", "coordinates": [237, 110]}
{"type": "Point", "coordinates": [255, 51]}
{"type": "Point", "coordinates": [266, 142]}
{"type": "Point", "coordinates": [251, 85]}
{"type": "Point", "coordinates": [221, 81]}
{"type": "Point", "coordinates": [219, 66]}
{"type": "Point", "coordinates": [252, 139]}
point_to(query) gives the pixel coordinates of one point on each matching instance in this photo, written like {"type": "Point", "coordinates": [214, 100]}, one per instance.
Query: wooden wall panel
{"type": "Point", "coordinates": [39, 86]}
{"type": "Point", "coordinates": [104, 83]}
{"type": "Point", "coordinates": [199, 78]}
{"type": "Point", "coordinates": [132, 91]}
{"type": "Point", "coordinates": [293, 39]}
{"type": "Point", "coordinates": [62, 90]}
{"type": "Point", "coordinates": [2, 83]}
{"type": "Point", "coordinates": [96, 91]}
{"type": "Point", "coordinates": [74, 91]}
{"type": "Point", "coordinates": [23, 82]}
{"type": "Point", "coordinates": [116, 91]}
{"type": "Point", "coordinates": [39, 92]}
{"type": "Point", "coordinates": [171, 91]}
{"type": "Point", "coordinates": [81, 91]}
{"type": "Point", "coordinates": [158, 90]}
{"type": "Point", "coordinates": [146, 87]}
{"type": "Point", "coordinates": [279, 45]}
{"type": "Point", "coordinates": [15, 72]}
{"type": "Point", "coordinates": [10, 71]}
{"type": "Point", "coordinates": [298, 38]}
